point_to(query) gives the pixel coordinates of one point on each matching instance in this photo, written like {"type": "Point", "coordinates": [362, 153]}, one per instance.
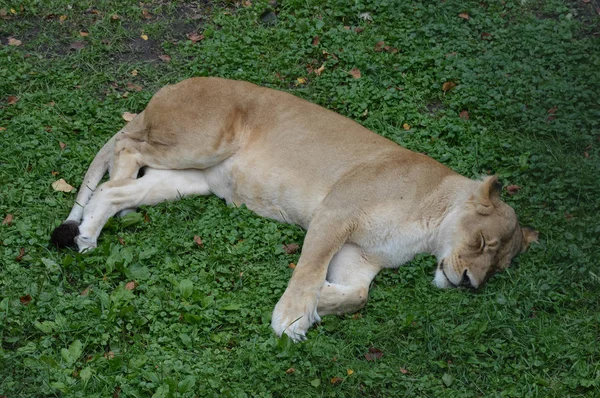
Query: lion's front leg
{"type": "Point", "coordinates": [296, 310]}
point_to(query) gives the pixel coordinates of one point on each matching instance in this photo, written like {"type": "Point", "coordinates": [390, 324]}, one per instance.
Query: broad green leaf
{"type": "Point", "coordinates": [186, 384]}
{"type": "Point", "coordinates": [85, 373]}
{"type": "Point", "coordinates": [186, 287]}
{"type": "Point", "coordinates": [447, 379]}
{"type": "Point", "coordinates": [131, 219]}
{"type": "Point", "coordinates": [46, 326]}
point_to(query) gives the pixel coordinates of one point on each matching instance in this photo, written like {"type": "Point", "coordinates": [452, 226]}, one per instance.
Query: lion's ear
{"type": "Point", "coordinates": [489, 192]}
{"type": "Point", "coordinates": [530, 236]}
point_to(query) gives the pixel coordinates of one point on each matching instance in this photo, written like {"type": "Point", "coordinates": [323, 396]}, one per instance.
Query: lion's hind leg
{"type": "Point", "coordinates": [346, 289]}
{"type": "Point", "coordinates": [116, 195]}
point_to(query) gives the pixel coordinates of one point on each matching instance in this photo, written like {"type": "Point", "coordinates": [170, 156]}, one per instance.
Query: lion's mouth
{"type": "Point", "coordinates": [441, 267]}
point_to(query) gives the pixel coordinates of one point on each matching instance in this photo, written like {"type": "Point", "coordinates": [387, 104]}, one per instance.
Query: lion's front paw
{"type": "Point", "coordinates": [294, 316]}
{"type": "Point", "coordinates": [85, 244]}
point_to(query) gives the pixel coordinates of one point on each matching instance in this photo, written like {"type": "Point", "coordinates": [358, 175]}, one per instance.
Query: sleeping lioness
{"type": "Point", "coordinates": [366, 202]}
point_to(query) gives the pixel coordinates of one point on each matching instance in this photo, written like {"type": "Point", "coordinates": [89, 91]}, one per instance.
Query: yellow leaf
{"type": "Point", "coordinates": [336, 380]}
{"type": "Point", "coordinates": [62, 186]}
{"type": "Point", "coordinates": [14, 42]}
{"type": "Point", "coordinates": [144, 37]}
{"type": "Point", "coordinates": [320, 70]}
{"type": "Point", "coordinates": [62, 18]}
{"type": "Point", "coordinates": [350, 371]}
{"type": "Point", "coordinates": [406, 126]}
{"type": "Point", "coordinates": [134, 72]}
{"type": "Point", "coordinates": [300, 80]}
{"type": "Point", "coordinates": [448, 86]}
{"type": "Point", "coordinates": [13, 11]}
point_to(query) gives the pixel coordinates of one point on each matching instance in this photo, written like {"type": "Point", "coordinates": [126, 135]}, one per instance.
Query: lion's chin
{"type": "Point", "coordinates": [441, 281]}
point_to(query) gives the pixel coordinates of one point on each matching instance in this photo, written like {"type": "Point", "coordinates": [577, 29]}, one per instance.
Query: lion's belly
{"type": "Point", "coordinates": [274, 192]}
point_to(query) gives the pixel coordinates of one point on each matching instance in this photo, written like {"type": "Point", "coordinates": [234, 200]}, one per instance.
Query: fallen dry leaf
{"type": "Point", "coordinates": [350, 372]}
{"type": "Point", "coordinates": [403, 371]}
{"type": "Point", "coordinates": [448, 86]}
{"type": "Point", "coordinates": [485, 35]}
{"type": "Point", "coordinates": [146, 14]}
{"type": "Point", "coordinates": [62, 186]}
{"type": "Point", "coordinates": [130, 285]}
{"type": "Point", "coordinates": [379, 46]}
{"type": "Point", "coordinates": [115, 17]}
{"type": "Point", "coordinates": [290, 371]}
{"type": "Point", "coordinates": [86, 291]}
{"type": "Point", "coordinates": [300, 81]}
{"type": "Point", "coordinates": [320, 70]}
{"type": "Point", "coordinates": [11, 100]}
{"type": "Point", "coordinates": [316, 41]}
{"type": "Point", "coordinates": [144, 37]}
{"type": "Point", "coordinates": [246, 3]}
{"type": "Point", "coordinates": [133, 87]}
{"type": "Point", "coordinates": [355, 73]}
{"type": "Point", "coordinates": [292, 265]}
{"type": "Point", "coordinates": [62, 145]}
{"type": "Point", "coordinates": [406, 126]}
{"type": "Point", "coordinates": [121, 241]}
{"type": "Point", "coordinates": [198, 241]}
{"type": "Point", "coordinates": [164, 58]}
{"type": "Point", "coordinates": [464, 15]}
{"type": "Point", "coordinates": [586, 154]}
{"type": "Point", "coordinates": [78, 45]}
{"type": "Point", "coordinates": [54, 173]}
{"type": "Point", "coordinates": [84, 34]}
{"type": "Point", "coordinates": [8, 219]}
{"type": "Point", "coordinates": [290, 248]}
{"type": "Point", "coordinates": [336, 380]}
{"type": "Point", "coordinates": [109, 355]}
{"type": "Point", "coordinates": [512, 189]}
{"type": "Point", "coordinates": [21, 254]}
{"type": "Point", "coordinates": [128, 116]}
{"type": "Point", "coordinates": [14, 42]}
{"type": "Point", "coordinates": [464, 115]}
{"type": "Point", "coordinates": [194, 37]}
{"type": "Point", "coordinates": [146, 218]}
{"type": "Point", "coordinates": [134, 72]}
{"type": "Point", "coordinates": [373, 354]}
{"type": "Point", "coordinates": [62, 18]}
{"type": "Point", "coordinates": [25, 300]}
{"type": "Point", "coordinates": [553, 110]}
{"type": "Point", "coordinates": [358, 29]}
{"type": "Point", "coordinates": [365, 16]}
{"type": "Point", "coordinates": [2, 128]}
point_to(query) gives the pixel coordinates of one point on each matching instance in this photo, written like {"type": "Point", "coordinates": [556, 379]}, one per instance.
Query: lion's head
{"type": "Point", "coordinates": [486, 238]}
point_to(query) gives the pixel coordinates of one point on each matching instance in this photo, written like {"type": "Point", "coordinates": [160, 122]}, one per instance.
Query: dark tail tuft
{"type": "Point", "coordinates": [64, 235]}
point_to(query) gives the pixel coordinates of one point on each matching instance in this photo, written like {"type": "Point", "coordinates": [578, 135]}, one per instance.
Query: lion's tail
{"type": "Point", "coordinates": [64, 235]}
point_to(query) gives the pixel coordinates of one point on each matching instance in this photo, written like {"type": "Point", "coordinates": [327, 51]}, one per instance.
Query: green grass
{"type": "Point", "coordinates": [197, 324]}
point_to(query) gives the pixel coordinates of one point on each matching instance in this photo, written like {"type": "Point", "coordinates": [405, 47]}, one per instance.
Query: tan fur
{"type": "Point", "coordinates": [366, 202]}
